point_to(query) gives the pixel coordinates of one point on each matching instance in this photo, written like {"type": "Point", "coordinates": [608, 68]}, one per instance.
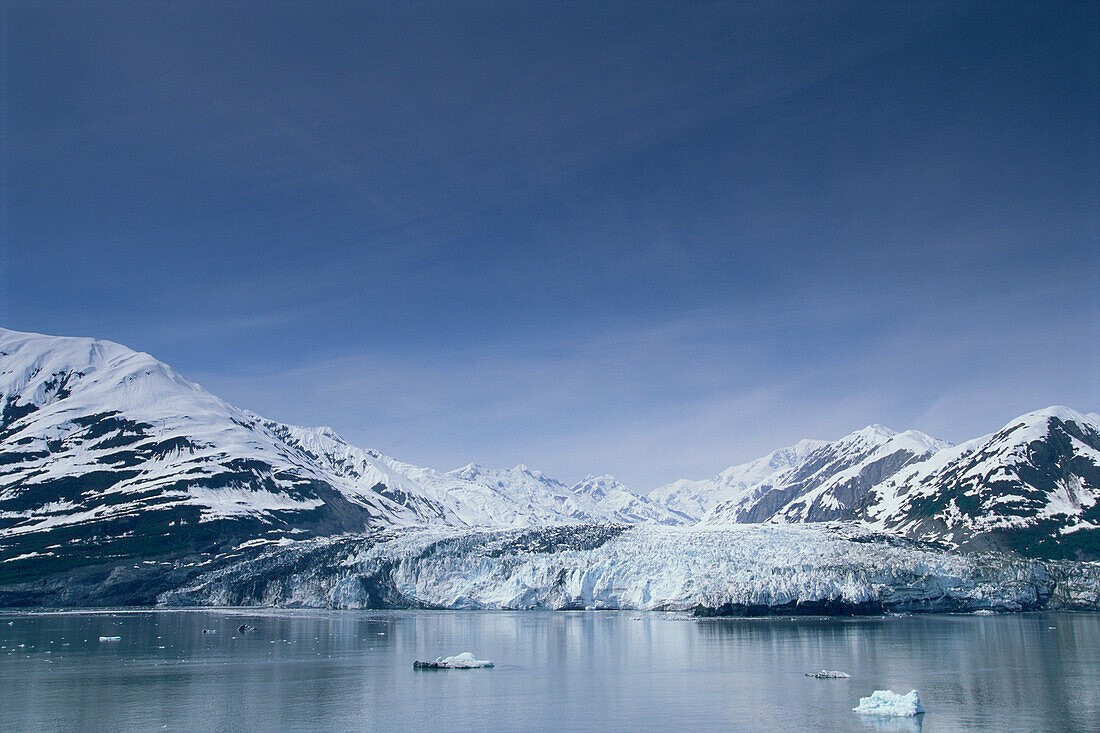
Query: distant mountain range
{"type": "Point", "coordinates": [108, 456]}
{"type": "Point", "coordinates": [1031, 487]}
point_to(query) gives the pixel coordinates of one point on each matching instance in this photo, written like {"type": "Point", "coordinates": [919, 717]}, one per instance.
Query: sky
{"type": "Point", "coordinates": [646, 239]}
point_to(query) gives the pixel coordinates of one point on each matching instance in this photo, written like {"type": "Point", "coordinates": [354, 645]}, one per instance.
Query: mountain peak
{"type": "Point", "coordinates": [469, 470]}
{"type": "Point", "coordinates": [1060, 412]}
{"type": "Point", "coordinates": [874, 432]}
{"type": "Point", "coordinates": [604, 479]}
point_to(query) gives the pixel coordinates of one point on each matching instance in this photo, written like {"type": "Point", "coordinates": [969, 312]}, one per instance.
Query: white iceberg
{"type": "Point", "coordinates": [110, 638]}
{"type": "Point", "coordinates": [888, 702]}
{"type": "Point", "coordinates": [465, 660]}
{"type": "Point", "coordinates": [829, 674]}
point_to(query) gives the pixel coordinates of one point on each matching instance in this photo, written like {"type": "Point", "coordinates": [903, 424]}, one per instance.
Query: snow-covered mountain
{"type": "Point", "coordinates": [473, 495]}
{"type": "Point", "coordinates": [1032, 486]}
{"type": "Point", "coordinates": [120, 477]}
{"type": "Point", "coordinates": [614, 500]}
{"type": "Point", "coordinates": [695, 499]}
{"type": "Point", "coordinates": [107, 452]}
{"type": "Point", "coordinates": [812, 481]}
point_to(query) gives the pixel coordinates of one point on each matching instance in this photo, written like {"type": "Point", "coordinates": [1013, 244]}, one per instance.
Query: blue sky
{"type": "Point", "coordinates": [647, 239]}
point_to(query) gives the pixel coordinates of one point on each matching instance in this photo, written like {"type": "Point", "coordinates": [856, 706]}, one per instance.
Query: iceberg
{"type": "Point", "coordinates": [110, 638]}
{"type": "Point", "coordinates": [888, 702]}
{"type": "Point", "coordinates": [465, 660]}
{"type": "Point", "coordinates": [829, 674]}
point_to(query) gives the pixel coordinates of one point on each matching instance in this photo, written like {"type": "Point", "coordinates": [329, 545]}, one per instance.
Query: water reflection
{"type": "Point", "coordinates": [555, 671]}
{"type": "Point", "coordinates": [893, 725]}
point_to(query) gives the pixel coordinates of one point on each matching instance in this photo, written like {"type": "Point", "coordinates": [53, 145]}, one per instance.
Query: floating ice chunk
{"type": "Point", "coordinates": [465, 660]}
{"type": "Point", "coordinates": [110, 638]}
{"type": "Point", "coordinates": [888, 702]}
{"type": "Point", "coordinates": [209, 631]}
{"type": "Point", "coordinates": [829, 674]}
{"type": "Point", "coordinates": [983, 612]}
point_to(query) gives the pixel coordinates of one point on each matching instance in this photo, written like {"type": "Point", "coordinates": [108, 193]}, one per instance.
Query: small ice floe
{"type": "Point", "coordinates": [465, 660]}
{"type": "Point", "coordinates": [110, 638]}
{"type": "Point", "coordinates": [245, 628]}
{"type": "Point", "coordinates": [983, 612]}
{"type": "Point", "coordinates": [1051, 628]}
{"type": "Point", "coordinates": [888, 702]}
{"type": "Point", "coordinates": [209, 631]}
{"type": "Point", "coordinates": [829, 674]}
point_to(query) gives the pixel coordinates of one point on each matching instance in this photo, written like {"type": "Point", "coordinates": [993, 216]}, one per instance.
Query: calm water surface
{"type": "Point", "coordinates": [594, 671]}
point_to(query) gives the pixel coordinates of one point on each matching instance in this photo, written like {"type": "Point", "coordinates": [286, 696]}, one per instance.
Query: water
{"type": "Point", "coordinates": [596, 671]}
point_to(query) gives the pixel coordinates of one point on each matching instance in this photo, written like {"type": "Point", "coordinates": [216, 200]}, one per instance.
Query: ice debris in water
{"type": "Point", "coordinates": [888, 702]}
{"type": "Point", "coordinates": [110, 638]}
{"type": "Point", "coordinates": [829, 674]}
{"type": "Point", "coordinates": [465, 660]}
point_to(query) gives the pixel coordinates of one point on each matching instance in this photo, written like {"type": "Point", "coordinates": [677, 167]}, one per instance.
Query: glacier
{"type": "Point", "coordinates": [740, 570]}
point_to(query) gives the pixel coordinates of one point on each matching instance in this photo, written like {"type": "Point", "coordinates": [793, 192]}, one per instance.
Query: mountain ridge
{"type": "Point", "coordinates": [109, 457]}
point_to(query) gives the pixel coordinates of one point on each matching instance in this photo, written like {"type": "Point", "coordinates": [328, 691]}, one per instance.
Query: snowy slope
{"type": "Point", "coordinates": [824, 481]}
{"type": "Point", "coordinates": [694, 499]}
{"type": "Point", "coordinates": [473, 495]}
{"type": "Point", "coordinates": [614, 502]}
{"type": "Point", "coordinates": [1032, 486]}
{"type": "Point", "coordinates": [107, 453]}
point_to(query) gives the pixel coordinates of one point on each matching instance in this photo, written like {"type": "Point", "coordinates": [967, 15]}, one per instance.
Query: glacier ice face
{"type": "Point", "coordinates": [890, 703]}
{"type": "Point", "coordinates": [742, 570]}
